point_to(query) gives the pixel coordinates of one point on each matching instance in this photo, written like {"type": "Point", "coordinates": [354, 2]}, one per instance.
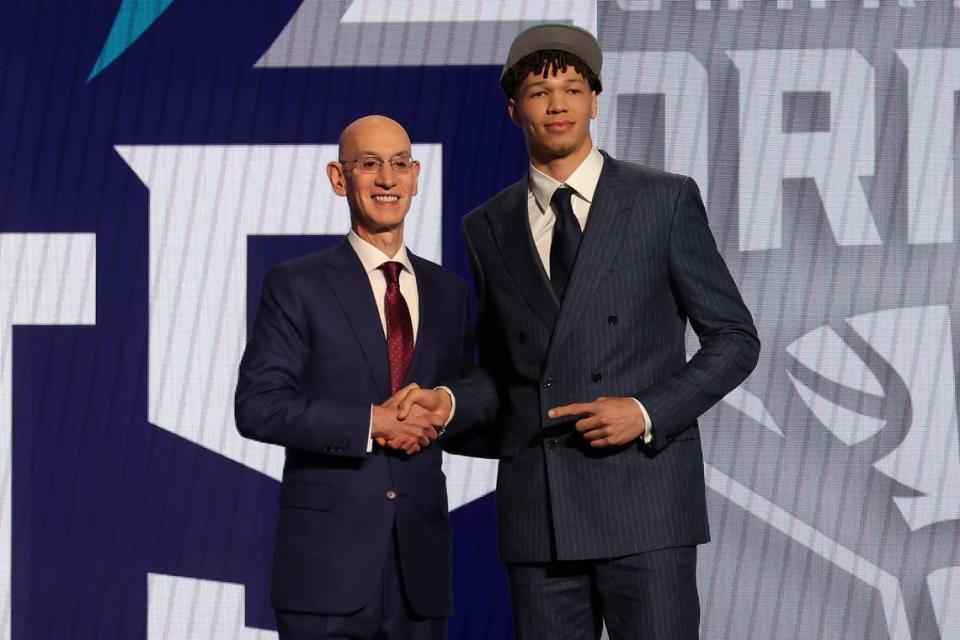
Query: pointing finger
{"type": "Point", "coordinates": [575, 409]}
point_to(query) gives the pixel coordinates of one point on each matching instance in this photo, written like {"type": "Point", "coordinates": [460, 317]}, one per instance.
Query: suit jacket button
{"type": "Point", "coordinates": [547, 382]}
{"type": "Point", "coordinates": [596, 377]}
{"type": "Point", "coordinates": [612, 319]}
{"type": "Point", "coordinates": [391, 494]}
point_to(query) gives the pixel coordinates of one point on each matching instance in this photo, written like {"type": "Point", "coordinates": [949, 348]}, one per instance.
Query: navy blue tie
{"type": "Point", "coordinates": [566, 240]}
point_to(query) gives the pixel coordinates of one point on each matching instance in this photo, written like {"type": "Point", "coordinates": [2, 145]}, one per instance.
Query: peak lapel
{"type": "Point", "coordinates": [600, 242]}
{"type": "Point", "coordinates": [352, 288]}
{"type": "Point", "coordinates": [512, 233]}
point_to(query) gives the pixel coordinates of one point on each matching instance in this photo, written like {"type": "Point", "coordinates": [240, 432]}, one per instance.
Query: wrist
{"type": "Point", "coordinates": [377, 421]}
{"type": "Point", "coordinates": [446, 404]}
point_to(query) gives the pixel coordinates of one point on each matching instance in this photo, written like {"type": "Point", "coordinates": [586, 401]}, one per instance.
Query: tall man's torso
{"type": "Point", "coordinates": [647, 265]}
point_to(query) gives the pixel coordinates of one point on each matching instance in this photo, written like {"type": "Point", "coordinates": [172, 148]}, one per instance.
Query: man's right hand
{"type": "Point", "coordinates": [435, 401]}
{"type": "Point", "coordinates": [409, 435]}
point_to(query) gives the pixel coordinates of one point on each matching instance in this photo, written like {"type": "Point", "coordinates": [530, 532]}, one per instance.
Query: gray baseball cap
{"type": "Point", "coordinates": [555, 35]}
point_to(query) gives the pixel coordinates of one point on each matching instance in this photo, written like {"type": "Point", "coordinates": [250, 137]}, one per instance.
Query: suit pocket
{"type": "Point", "coordinates": [301, 495]}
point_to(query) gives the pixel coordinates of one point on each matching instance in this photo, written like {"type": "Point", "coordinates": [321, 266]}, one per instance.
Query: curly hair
{"type": "Point", "coordinates": [542, 63]}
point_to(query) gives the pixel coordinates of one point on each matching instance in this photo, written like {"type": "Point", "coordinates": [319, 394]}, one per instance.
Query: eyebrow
{"type": "Point", "coordinates": [377, 155]}
{"type": "Point", "coordinates": [537, 83]}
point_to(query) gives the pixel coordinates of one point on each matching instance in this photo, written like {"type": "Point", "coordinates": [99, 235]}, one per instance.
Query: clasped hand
{"type": "Point", "coordinates": [406, 427]}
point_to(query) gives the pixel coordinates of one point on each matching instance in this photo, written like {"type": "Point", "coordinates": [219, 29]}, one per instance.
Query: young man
{"type": "Point", "coordinates": [587, 271]}
{"type": "Point", "coordinates": [363, 540]}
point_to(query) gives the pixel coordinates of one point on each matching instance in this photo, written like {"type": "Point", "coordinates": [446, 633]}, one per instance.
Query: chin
{"type": "Point", "coordinates": [390, 223]}
{"type": "Point", "coordinates": [561, 148]}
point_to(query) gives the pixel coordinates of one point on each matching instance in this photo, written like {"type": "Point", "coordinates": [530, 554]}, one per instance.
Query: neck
{"type": "Point", "coordinates": [388, 241]}
{"type": "Point", "coordinates": [560, 167]}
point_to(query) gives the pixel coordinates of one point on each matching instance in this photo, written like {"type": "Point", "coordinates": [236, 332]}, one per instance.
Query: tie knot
{"type": "Point", "coordinates": [561, 198]}
{"type": "Point", "coordinates": [391, 271]}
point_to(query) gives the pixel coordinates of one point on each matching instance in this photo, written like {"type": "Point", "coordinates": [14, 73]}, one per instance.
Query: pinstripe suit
{"type": "Point", "coordinates": [647, 264]}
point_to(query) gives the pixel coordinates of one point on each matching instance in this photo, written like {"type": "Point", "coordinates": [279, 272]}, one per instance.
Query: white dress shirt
{"type": "Point", "coordinates": [372, 258]}
{"type": "Point", "coordinates": [542, 217]}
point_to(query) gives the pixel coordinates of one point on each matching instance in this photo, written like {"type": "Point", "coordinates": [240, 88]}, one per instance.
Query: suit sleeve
{"type": "Point", "coordinates": [469, 438]}
{"type": "Point", "coordinates": [469, 355]}
{"type": "Point", "coordinates": [476, 393]}
{"type": "Point", "coordinates": [707, 294]}
{"type": "Point", "coordinates": [270, 404]}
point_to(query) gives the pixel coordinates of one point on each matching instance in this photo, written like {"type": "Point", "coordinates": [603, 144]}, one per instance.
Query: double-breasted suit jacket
{"type": "Point", "coordinates": [314, 364]}
{"type": "Point", "coordinates": [647, 266]}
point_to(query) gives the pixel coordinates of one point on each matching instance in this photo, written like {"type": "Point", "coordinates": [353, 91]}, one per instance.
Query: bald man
{"type": "Point", "coordinates": [363, 542]}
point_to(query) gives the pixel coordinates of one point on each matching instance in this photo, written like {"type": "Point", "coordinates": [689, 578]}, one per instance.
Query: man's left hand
{"type": "Point", "coordinates": [605, 422]}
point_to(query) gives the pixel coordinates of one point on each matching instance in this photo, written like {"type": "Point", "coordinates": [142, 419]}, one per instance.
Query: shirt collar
{"type": "Point", "coordinates": [583, 180]}
{"type": "Point", "coordinates": [371, 257]}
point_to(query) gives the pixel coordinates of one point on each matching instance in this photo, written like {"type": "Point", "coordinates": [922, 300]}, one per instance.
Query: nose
{"type": "Point", "coordinates": [386, 177]}
{"type": "Point", "coordinates": [557, 102]}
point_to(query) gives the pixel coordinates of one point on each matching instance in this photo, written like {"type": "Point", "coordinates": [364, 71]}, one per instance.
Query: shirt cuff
{"type": "Point", "coordinates": [453, 403]}
{"type": "Point", "coordinates": [648, 432]}
{"type": "Point", "coordinates": [370, 432]}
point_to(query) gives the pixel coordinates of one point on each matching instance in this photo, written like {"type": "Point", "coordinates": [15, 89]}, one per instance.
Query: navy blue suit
{"type": "Point", "coordinates": [315, 362]}
{"type": "Point", "coordinates": [647, 266]}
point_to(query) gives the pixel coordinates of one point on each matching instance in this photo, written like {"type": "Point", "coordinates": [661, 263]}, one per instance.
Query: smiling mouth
{"type": "Point", "coordinates": [386, 198]}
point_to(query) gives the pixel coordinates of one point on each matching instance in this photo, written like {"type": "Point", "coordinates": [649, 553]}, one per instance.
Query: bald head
{"type": "Point", "coordinates": [362, 136]}
{"type": "Point", "coordinates": [377, 176]}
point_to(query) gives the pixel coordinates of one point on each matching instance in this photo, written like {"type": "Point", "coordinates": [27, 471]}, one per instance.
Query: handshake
{"type": "Point", "coordinates": [411, 419]}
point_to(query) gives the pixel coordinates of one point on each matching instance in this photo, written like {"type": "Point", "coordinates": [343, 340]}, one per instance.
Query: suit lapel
{"type": "Point", "coordinates": [429, 313]}
{"type": "Point", "coordinates": [352, 287]}
{"type": "Point", "coordinates": [512, 232]}
{"type": "Point", "coordinates": [600, 242]}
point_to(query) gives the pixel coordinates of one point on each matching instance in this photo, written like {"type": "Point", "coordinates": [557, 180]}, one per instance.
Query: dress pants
{"type": "Point", "coordinates": [386, 616]}
{"type": "Point", "coordinates": [645, 596]}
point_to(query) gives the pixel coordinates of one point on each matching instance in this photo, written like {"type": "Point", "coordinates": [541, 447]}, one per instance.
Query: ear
{"type": "Point", "coordinates": [593, 105]}
{"type": "Point", "coordinates": [416, 180]}
{"type": "Point", "coordinates": [337, 178]}
{"type": "Point", "coordinates": [514, 112]}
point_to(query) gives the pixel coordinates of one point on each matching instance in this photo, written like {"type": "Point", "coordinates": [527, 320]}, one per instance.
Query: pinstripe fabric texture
{"type": "Point", "coordinates": [650, 595]}
{"type": "Point", "coordinates": [647, 265]}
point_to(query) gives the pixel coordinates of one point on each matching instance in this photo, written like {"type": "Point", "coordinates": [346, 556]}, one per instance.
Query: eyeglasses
{"type": "Point", "coordinates": [373, 164]}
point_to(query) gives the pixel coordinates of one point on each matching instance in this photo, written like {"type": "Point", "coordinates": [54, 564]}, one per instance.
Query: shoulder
{"type": "Point", "coordinates": [296, 272]}
{"type": "Point", "coordinates": [440, 275]}
{"type": "Point", "coordinates": [647, 175]}
{"type": "Point", "coordinates": [301, 265]}
{"type": "Point", "coordinates": [651, 188]}
{"type": "Point", "coordinates": [503, 202]}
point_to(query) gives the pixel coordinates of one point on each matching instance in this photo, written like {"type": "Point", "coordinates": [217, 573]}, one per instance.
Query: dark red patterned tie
{"type": "Point", "coordinates": [399, 327]}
